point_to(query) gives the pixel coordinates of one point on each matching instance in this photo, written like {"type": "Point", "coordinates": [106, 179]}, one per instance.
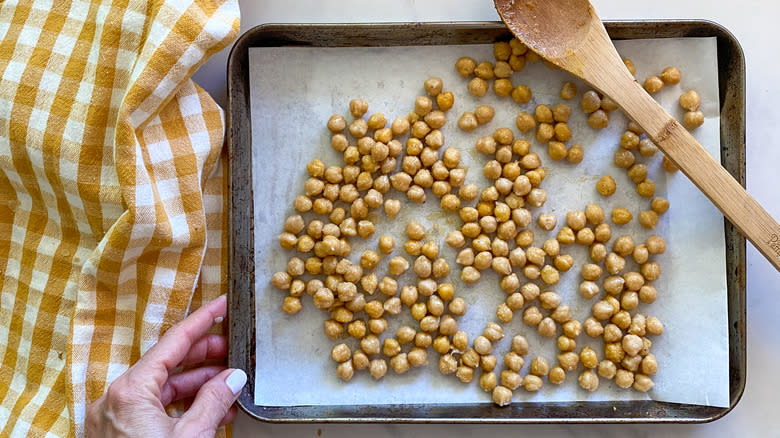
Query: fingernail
{"type": "Point", "coordinates": [236, 380]}
{"type": "Point", "coordinates": [218, 320]}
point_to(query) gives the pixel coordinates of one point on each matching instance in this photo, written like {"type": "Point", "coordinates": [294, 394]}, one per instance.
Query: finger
{"type": "Point", "coordinates": [174, 345]}
{"type": "Point", "coordinates": [187, 383]}
{"type": "Point", "coordinates": [230, 416]}
{"type": "Point", "coordinates": [213, 401]}
{"type": "Point", "coordinates": [208, 347]}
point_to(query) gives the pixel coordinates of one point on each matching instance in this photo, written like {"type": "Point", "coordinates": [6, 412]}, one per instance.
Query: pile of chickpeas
{"type": "Point", "coordinates": [494, 234]}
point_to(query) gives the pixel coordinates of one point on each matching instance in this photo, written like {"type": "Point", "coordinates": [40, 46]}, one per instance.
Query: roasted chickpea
{"type": "Point", "coordinates": [521, 94]}
{"type": "Point", "coordinates": [599, 119]}
{"type": "Point", "coordinates": [690, 100]}
{"type": "Point", "coordinates": [653, 84]}
{"type": "Point", "coordinates": [606, 186]}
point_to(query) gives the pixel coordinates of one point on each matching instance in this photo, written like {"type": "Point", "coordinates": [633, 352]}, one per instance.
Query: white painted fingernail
{"type": "Point", "coordinates": [218, 320]}
{"type": "Point", "coordinates": [236, 380]}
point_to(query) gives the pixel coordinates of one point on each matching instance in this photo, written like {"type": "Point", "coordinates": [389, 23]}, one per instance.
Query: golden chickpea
{"type": "Point", "coordinates": [561, 314]}
{"type": "Point", "coordinates": [690, 100]}
{"type": "Point", "coordinates": [546, 327]}
{"type": "Point", "coordinates": [613, 285]}
{"type": "Point", "coordinates": [469, 274]}
{"type": "Point", "coordinates": [650, 270]}
{"type": "Point", "coordinates": [460, 341]}
{"type": "Point", "coordinates": [524, 238]}
{"type": "Point", "coordinates": [457, 306]}
{"type": "Point", "coordinates": [634, 281]}
{"type": "Point", "coordinates": [536, 197]}
{"type": "Point", "coordinates": [532, 383]}
{"type": "Point", "coordinates": [608, 104]}
{"type": "Point", "coordinates": [654, 326]}
{"type": "Point", "coordinates": [597, 252]}
{"type": "Point", "coordinates": [575, 154]}
{"type": "Point", "coordinates": [291, 305]}
{"type": "Point", "coordinates": [589, 380]}
{"type": "Point", "coordinates": [345, 371]}
{"type": "Point", "coordinates": [562, 132]}
{"type": "Point", "coordinates": [599, 119]}
{"type": "Point", "coordinates": [585, 237]}
{"type": "Point", "coordinates": [602, 310]}
{"type": "Point", "coordinates": [568, 91]}
{"type": "Point", "coordinates": [614, 263]}
{"type": "Point", "coordinates": [565, 236]}
{"type": "Point", "coordinates": [602, 233]}
{"type": "Point", "coordinates": [544, 132]}
{"type": "Point", "coordinates": [643, 383]}
{"type": "Point", "coordinates": [624, 158]}
{"type": "Point", "coordinates": [653, 84]}
{"type": "Point", "coordinates": [556, 150]}
{"type": "Point", "coordinates": [588, 289]}
{"type": "Point", "coordinates": [671, 75]}
{"type": "Point", "coordinates": [532, 316]}
{"type": "Point", "coordinates": [566, 344]}
{"type": "Point", "coordinates": [693, 119]}
{"type": "Point", "coordinates": [606, 186]}
{"type": "Point", "coordinates": [445, 100]}
{"type": "Point", "coordinates": [621, 216]}
{"type": "Point", "coordinates": [590, 102]}
{"type": "Point", "coordinates": [530, 292]}
{"type": "Point", "coordinates": [521, 94]}
{"type": "Point", "coordinates": [593, 327]}
{"type": "Point", "coordinates": [524, 121]}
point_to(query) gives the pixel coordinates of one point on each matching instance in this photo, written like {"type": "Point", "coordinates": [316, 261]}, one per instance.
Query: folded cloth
{"type": "Point", "coordinates": [112, 206]}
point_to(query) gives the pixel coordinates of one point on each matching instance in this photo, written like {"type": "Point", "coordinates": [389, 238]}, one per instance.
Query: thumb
{"type": "Point", "coordinates": [212, 403]}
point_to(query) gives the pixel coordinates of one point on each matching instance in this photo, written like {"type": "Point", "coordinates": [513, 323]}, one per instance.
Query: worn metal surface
{"type": "Point", "coordinates": [242, 353]}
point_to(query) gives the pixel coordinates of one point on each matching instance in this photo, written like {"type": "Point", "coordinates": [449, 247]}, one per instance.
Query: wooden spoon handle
{"type": "Point", "coordinates": [707, 174]}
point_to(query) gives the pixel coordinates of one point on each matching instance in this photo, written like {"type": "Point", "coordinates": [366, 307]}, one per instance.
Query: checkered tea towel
{"type": "Point", "coordinates": [112, 224]}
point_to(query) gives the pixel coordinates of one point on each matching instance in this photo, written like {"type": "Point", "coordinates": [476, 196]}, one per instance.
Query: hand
{"type": "Point", "coordinates": [134, 405]}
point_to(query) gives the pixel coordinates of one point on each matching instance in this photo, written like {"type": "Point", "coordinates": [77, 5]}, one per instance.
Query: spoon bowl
{"type": "Point", "coordinates": [569, 34]}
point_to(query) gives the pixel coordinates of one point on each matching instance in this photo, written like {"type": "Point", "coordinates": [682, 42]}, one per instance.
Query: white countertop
{"type": "Point", "coordinates": [752, 22]}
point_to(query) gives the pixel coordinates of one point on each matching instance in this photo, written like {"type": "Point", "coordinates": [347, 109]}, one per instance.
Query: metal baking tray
{"type": "Point", "coordinates": [242, 354]}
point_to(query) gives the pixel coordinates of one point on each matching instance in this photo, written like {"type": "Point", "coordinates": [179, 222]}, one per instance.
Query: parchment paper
{"type": "Point", "coordinates": [293, 93]}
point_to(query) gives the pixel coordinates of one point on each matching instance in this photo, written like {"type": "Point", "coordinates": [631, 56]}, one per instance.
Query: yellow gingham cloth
{"type": "Point", "coordinates": [112, 224]}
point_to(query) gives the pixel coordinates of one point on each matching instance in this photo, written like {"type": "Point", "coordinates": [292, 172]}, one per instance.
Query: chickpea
{"type": "Point", "coordinates": [599, 119]}
{"type": "Point", "coordinates": [590, 102]}
{"type": "Point", "coordinates": [544, 132]}
{"type": "Point", "coordinates": [653, 84]}
{"type": "Point", "coordinates": [637, 172]}
{"type": "Point", "coordinates": [654, 326]}
{"type": "Point", "coordinates": [556, 150]}
{"type": "Point", "coordinates": [690, 100]}
{"type": "Point", "coordinates": [565, 236]}
{"type": "Point", "coordinates": [614, 263]}
{"type": "Point", "coordinates": [532, 383]}
{"type": "Point", "coordinates": [588, 289]}
{"type": "Point", "coordinates": [597, 252]}
{"type": "Point", "coordinates": [546, 327]}
{"type": "Point", "coordinates": [624, 158]}
{"type": "Point", "coordinates": [566, 344]}
{"type": "Point", "coordinates": [457, 306]}
{"type": "Point", "coordinates": [613, 285]}
{"type": "Point", "coordinates": [447, 364]}
{"type": "Point", "coordinates": [323, 298]}
{"type": "Point", "coordinates": [460, 341]}
{"type": "Point", "coordinates": [606, 186]}
{"type": "Point", "coordinates": [621, 216]}
{"type": "Point", "coordinates": [643, 383]}
{"type": "Point", "coordinates": [445, 100]}
{"type": "Point", "coordinates": [650, 270]}
{"type": "Point", "coordinates": [532, 316]}
{"type": "Point", "coordinates": [693, 119]}
{"type": "Point", "coordinates": [575, 154]}
{"type": "Point", "coordinates": [524, 121]}
{"type": "Point", "coordinates": [589, 380]}
{"type": "Point", "coordinates": [291, 305]}
{"type": "Point", "coordinates": [561, 314]}
{"type": "Point", "coordinates": [602, 310]}
{"type": "Point", "coordinates": [446, 291]}
{"type": "Point", "coordinates": [530, 292]}
{"type": "Point", "coordinates": [648, 219]}
{"type": "Point", "coordinates": [593, 327]}
{"type": "Point", "coordinates": [441, 344]}
{"type": "Point", "coordinates": [469, 274]}
{"type": "Point", "coordinates": [536, 197]}
{"type": "Point", "coordinates": [521, 94]}
{"type": "Point", "coordinates": [568, 91]}
{"type": "Point", "coordinates": [602, 233]}
{"type": "Point", "coordinates": [563, 262]}
{"type": "Point", "coordinates": [634, 281]}
{"type": "Point", "coordinates": [647, 148]}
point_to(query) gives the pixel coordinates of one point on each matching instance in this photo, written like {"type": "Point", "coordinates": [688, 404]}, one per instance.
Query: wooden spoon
{"type": "Point", "coordinates": [569, 34]}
